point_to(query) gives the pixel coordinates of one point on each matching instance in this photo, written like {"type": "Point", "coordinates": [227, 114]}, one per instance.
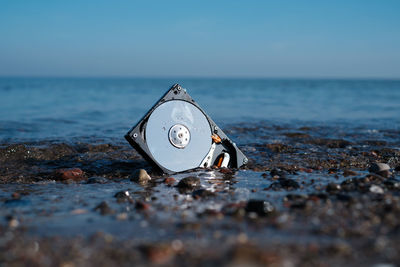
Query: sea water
{"type": "Point", "coordinates": [33, 109]}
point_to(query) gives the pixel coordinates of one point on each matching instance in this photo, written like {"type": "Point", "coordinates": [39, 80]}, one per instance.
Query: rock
{"type": "Point", "coordinates": [333, 188]}
{"type": "Point", "coordinates": [140, 176]}
{"type": "Point", "coordinates": [376, 189]}
{"type": "Point", "coordinates": [295, 201]}
{"type": "Point", "coordinates": [190, 182]}
{"type": "Point", "coordinates": [286, 183]}
{"type": "Point", "coordinates": [104, 208]}
{"type": "Point", "coordinates": [169, 181]}
{"type": "Point", "coordinates": [97, 180]}
{"type": "Point", "coordinates": [74, 174]}
{"type": "Point", "coordinates": [202, 193]}
{"type": "Point", "coordinates": [279, 173]}
{"type": "Point", "coordinates": [234, 209]}
{"type": "Point", "coordinates": [16, 195]}
{"type": "Point", "coordinates": [260, 207]}
{"type": "Point", "coordinates": [12, 221]}
{"type": "Point", "coordinates": [141, 205]}
{"type": "Point", "coordinates": [122, 196]}
{"type": "Point", "coordinates": [381, 169]}
{"type": "Point", "coordinates": [349, 173]}
{"type": "Point", "coordinates": [392, 184]}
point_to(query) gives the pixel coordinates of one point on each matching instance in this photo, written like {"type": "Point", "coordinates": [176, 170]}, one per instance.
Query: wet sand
{"type": "Point", "coordinates": [305, 197]}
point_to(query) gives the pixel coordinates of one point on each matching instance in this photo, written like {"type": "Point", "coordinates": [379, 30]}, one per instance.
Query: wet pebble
{"type": "Point", "coordinates": [169, 181]}
{"type": "Point", "coordinates": [12, 221]}
{"type": "Point", "coordinates": [97, 180]}
{"type": "Point", "coordinates": [141, 205]}
{"type": "Point", "coordinates": [349, 173]}
{"type": "Point", "coordinates": [260, 207]}
{"type": "Point", "coordinates": [285, 183]}
{"type": "Point", "coordinates": [104, 208]}
{"type": "Point", "coordinates": [202, 193]}
{"type": "Point", "coordinates": [376, 189]}
{"type": "Point", "coordinates": [276, 172]}
{"type": "Point", "coordinates": [122, 196]}
{"type": "Point", "coordinates": [392, 184]}
{"type": "Point", "coordinates": [190, 182]}
{"type": "Point", "coordinates": [74, 174]}
{"type": "Point", "coordinates": [16, 195]}
{"type": "Point", "coordinates": [381, 169]}
{"type": "Point", "coordinates": [333, 188]}
{"type": "Point", "coordinates": [140, 176]}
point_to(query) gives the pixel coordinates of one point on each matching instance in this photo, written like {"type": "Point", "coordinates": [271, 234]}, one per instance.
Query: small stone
{"type": "Point", "coordinates": [74, 174]}
{"type": "Point", "coordinates": [376, 189]}
{"type": "Point", "coordinates": [202, 193]}
{"type": "Point", "coordinates": [333, 188]}
{"type": "Point", "coordinates": [104, 208]}
{"type": "Point", "coordinates": [16, 195]}
{"type": "Point", "coordinates": [260, 207]}
{"type": "Point", "coordinates": [122, 196]}
{"type": "Point", "coordinates": [349, 173]}
{"type": "Point", "coordinates": [122, 216]}
{"type": "Point", "coordinates": [190, 182]}
{"type": "Point", "coordinates": [13, 223]}
{"type": "Point", "coordinates": [381, 169]}
{"type": "Point", "coordinates": [392, 184]}
{"type": "Point", "coordinates": [279, 173]}
{"type": "Point", "coordinates": [78, 211]}
{"type": "Point", "coordinates": [97, 180]}
{"type": "Point", "coordinates": [141, 205]}
{"type": "Point", "coordinates": [169, 181]}
{"type": "Point", "coordinates": [140, 176]}
{"type": "Point", "coordinates": [286, 183]}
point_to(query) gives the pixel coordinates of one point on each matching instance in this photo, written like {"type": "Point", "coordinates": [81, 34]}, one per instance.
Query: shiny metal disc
{"type": "Point", "coordinates": [174, 155]}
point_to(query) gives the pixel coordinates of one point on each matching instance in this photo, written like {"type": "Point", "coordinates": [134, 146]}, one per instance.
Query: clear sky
{"type": "Point", "coordinates": [359, 38]}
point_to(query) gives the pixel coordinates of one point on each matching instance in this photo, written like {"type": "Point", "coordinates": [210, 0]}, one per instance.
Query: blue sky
{"type": "Point", "coordinates": [315, 39]}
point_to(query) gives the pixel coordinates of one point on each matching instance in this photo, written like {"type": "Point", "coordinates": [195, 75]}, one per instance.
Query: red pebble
{"type": "Point", "coordinates": [75, 174]}
{"type": "Point", "coordinates": [169, 180]}
{"type": "Point", "coordinates": [140, 205]}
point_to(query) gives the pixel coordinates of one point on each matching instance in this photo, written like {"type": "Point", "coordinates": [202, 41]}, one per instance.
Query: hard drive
{"type": "Point", "coordinates": [176, 135]}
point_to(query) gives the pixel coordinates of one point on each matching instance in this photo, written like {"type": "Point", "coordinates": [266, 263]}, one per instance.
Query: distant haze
{"type": "Point", "coordinates": [315, 39]}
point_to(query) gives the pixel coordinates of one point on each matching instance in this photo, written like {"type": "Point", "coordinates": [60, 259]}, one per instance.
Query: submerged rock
{"type": "Point", "coordinates": [349, 173]}
{"type": "Point", "coordinates": [74, 174]}
{"type": "Point", "coordinates": [190, 182]}
{"type": "Point", "coordinates": [140, 176]}
{"type": "Point", "coordinates": [381, 169]}
{"type": "Point", "coordinates": [169, 181]}
{"type": "Point", "coordinates": [285, 183]}
{"type": "Point", "coordinates": [97, 180]}
{"type": "Point", "coordinates": [104, 208]}
{"type": "Point", "coordinates": [260, 207]}
{"type": "Point", "coordinates": [141, 205]}
{"type": "Point", "coordinates": [122, 196]}
{"type": "Point", "coordinates": [333, 188]}
{"type": "Point", "coordinates": [202, 193]}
